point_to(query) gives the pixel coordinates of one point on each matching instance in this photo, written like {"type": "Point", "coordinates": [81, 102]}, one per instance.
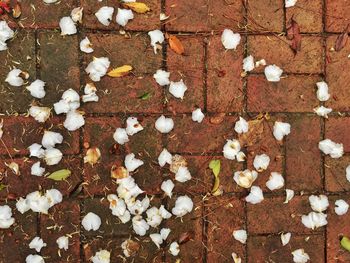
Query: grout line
{"type": "Point", "coordinates": [322, 120]}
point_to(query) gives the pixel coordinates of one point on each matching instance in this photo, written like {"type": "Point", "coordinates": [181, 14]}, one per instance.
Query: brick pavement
{"type": "Point", "coordinates": [213, 76]}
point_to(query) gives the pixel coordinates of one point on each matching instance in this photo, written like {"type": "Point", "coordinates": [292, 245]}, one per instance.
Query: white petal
{"type": "Point", "coordinates": [104, 15]}
{"type": "Point", "coordinates": [35, 258]}
{"type": "Point", "coordinates": [53, 156]}
{"type": "Point", "coordinates": [241, 126]}
{"type": "Point", "coordinates": [50, 139]}
{"type": "Point", "coordinates": [167, 186]}
{"type": "Point", "coordinates": [157, 239]}
{"type": "Point", "coordinates": [40, 114]}
{"type": "Point", "coordinates": [102, 256]}
{"type": "Point", "coordinates": [36, 89]}
{"type": "Point", "coordinates": [322, 111]}
{"type": "Point", "coordinates": [36, 150]}
{"type": "Point", "coordinates": [318, 203]}
{"type": "Point", "coordinates": [97, 68]}
{"type": "Point", "coordinates": [123, 16]}
{"type": "Point", "coordinates": [6, 219]}
{"type": "Point", "coordinates": [285, 238]}
{"type": "Point", "coordinates": [261, 162]}
{"type": "Point", "coordinates": [6, 33]}
{"type": "Point", "coordinates": [335, 150]}
{"type": "Point", "coordinates": [273, 73]}
{"type": "Point", "coordinates": [37, 243]}
{"type": "Point", "coordinates": [231, 149]}
{"type": "Point", "coordinates": [183, 205]}
{"type": "Point", "coordinates": [276, 181]}
{"type": "Point", "coordinates": [240, 235]}
{"type": "Point", "coordinates": [77, 14]}
{"type": "Point", "coordinates": [314, 220]}
{"type": "Point", "coordinates": [67, 26]}
{"type": "Point", "coordinates": [183, 175]}
{"type": "Point", "coordinates": [74, 120]}
{"type": "Point", "coordinates": [197, 115]}
{"type": "Point", "coordinates": [289, 195]}
{"type": "Point", "coordinates": [133, 126]}
{"type": "Point", "coordinates": [86, 46]}
{"type": "Point", "coordinates": [174, 249]}
{"type": "Point", "coordinates": [54, 196]}
{"type": "Point", "coordinates": [341, 207]}
{"type": "Point", "coordinates": [156, 36]}
{"type": "Point", "coordinates": [62, 242]}
{"type": "Point", "coordinates": [281, 129]}
{"type": "Point", "coordinates": [229, 39]}
{"type": "Point", "coordinates": [162, 77]}
{"type": "Point", "coordinates": [120, 136]}
{"type": "Point", "coordinates": [177, 89]}
{"type": "Point", "coordinates": [248, 63]}
{"type": "Point", "coordinates": [164, 157]}
{"type": "Point", "coordinates": [245, 178]}
{"type": "Point", "coordinates": [37, 170]}
{"type": "Point", "coordinates": [14, 78]}
{"type": "Point", "coordinates": [322, 91]}
{"type": "Point", "coordinates": [139, 225]}
{"type": "Point", "coordinates": [164, 125]}
{"type": "Point", "coordinates": [255, 196]}
{"type": "Point", "coordinates": [300, 256]}
{"type": "Point", "coordinates": [132, 163]}
{"type": "Point", "coordinates": [22, 205]}
{"type": "Point", "coordinates": [290, 3]}
{"type": "Point", "coordinates": [91, 222]}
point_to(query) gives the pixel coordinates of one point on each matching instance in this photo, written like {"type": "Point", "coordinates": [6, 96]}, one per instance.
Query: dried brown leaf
{"type": "Point", "coordinates": [342, 39]}
{"type": "Point", "coordinates": [254, 134]}
{"type": "Point", "coordinates": [217, 119]}
{"type": "Point", "coordinates": [185, 237]}
{"type": "Point", "coordinates": [293, 34]}
{"type": "Point", "coordinates": [176, 45]}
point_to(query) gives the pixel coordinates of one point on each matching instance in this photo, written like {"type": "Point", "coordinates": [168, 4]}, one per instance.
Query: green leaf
{"type": "Point", "coordinates": [2, 186]}
{"type": "Point", "coordinates": [145, 96]}
{"type": "Point", "coordinates": [60, 175]}
{"type": "Point", "coordinates": [215, 166]}
{"type": "Point", "coordinates": [345, 243]}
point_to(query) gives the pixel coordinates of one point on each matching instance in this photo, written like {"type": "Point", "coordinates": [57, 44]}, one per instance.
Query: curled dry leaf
{"type": "Point", "coordinates": [175, 44]}
{"type": "Point", "coordinates": [132, 247]}
{"type": "Point", "coordinates": [120, 71]}
{"type": "Point", "coordinates": [92, 156]}
{"type": "Point", "coordinates": [176, 162]}
{"type": "Point", "coordinates": [16, 9]}
{"type": "Point", "coordinates": [342, 39]}
{"type": "Point", "coordinates": [1, 126]}
{"type": "Point", "coordinates": [254, 134]}
{"type": "Point", "coordinates": [14, 167]}
{"type": "Point", "coordinates": [185, 237]}
{"type": "Point", "coordinates": [293, 33]}
{"type": "Point", "coordinates": [217, 119]}
{"type": "Point", "coordinates": [119, 172]}
{"type": "Point", "coordinates": [137, 7]}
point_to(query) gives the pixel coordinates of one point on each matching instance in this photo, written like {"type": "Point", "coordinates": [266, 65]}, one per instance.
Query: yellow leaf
{"type": "Point", "coordinates": [120, 71]}
{"type": "Point", "coordinates": [140, 8]}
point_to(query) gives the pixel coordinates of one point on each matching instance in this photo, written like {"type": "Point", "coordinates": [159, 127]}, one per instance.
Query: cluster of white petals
{"type": "Point", "coordinates": [39, 202]}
